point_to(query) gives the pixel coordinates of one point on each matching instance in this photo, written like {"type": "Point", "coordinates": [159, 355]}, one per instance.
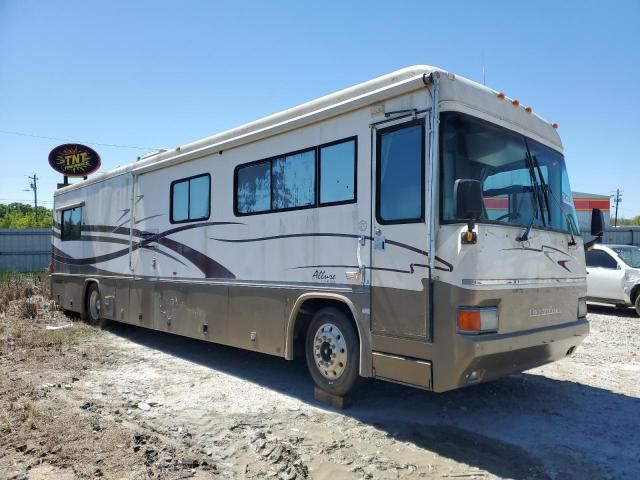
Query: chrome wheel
{"type": "Point", "coordinates": [94, 305]}
{"type": "Point", "coordinates": [330, 351]}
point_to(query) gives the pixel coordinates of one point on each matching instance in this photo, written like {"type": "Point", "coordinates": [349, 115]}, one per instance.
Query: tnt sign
{"type": "Point", "coordinates": [74, 160]}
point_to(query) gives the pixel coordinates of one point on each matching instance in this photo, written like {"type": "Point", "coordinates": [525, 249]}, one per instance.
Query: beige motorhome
{"type": "Point", "coordinates": [417, 228]}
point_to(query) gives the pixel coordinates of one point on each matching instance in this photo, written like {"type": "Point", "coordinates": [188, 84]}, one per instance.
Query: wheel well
{"type": "Point", "coordinates": [306, 312]}
{"type": "Point", "coordinates": [634, 293]}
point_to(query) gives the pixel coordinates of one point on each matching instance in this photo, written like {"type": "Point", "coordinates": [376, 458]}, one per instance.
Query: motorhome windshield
{"type": "Point", "coordinates": [522, 180]}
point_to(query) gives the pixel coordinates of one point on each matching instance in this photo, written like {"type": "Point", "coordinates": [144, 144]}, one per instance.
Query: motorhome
{"type": "Point", "coordinates": [417, 228]}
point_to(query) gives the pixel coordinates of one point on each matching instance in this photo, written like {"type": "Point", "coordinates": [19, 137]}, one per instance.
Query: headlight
{"type": "Point", "coordinates": [631, 276]}
{"type": "Point", "coordinates": [582, 307]}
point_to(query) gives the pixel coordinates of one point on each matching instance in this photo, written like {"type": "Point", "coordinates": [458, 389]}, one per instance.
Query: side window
{"type": "Point", "coordinates": [400, 174]}
{"type": "Point", "coordinates": [338, 172]}
{"type": "Point", "coordinates": [253, 189]}
{"type": "Point", "coordinates": [318, 176]}
{"type": "Point", "coordinates": [293, 181]}
{"type": "Point", "coordinates": [282, 183]}
{"type": "Point", "coordinates": [191, 199]}
{"type": "Point", "coordinates": [600, 258]}
{"type": "Point", "coordinates": [71, 224]}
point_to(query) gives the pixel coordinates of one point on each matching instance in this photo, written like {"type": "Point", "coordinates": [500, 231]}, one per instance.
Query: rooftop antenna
{"type": "Point", "coordinates": [484, 72]}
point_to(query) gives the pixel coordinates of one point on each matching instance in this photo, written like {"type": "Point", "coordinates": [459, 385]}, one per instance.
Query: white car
{"type": "Point", "coordinates": [613, 275]}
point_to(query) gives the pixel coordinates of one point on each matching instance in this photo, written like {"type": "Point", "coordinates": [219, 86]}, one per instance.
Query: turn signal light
{"type": "Point", "coordinates": [477, 320]}
{"type": "Point", "coordinates": [469, 320]}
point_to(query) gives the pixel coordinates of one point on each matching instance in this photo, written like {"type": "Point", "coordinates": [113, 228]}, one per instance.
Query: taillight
{"type": "Point", "coordinates": [582, 307]}
{"type": "Point", "coordinates": [477, 320]}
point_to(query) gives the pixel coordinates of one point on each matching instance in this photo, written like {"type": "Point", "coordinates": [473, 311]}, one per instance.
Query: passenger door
{"type": "Point", "coordinates": [605, 277]}
{"type": "Point", "coordinates": [399, 273]}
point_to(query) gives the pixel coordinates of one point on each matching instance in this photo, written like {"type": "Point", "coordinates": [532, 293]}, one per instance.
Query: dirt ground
{"type": "Point", "coordinates": [127, 403]}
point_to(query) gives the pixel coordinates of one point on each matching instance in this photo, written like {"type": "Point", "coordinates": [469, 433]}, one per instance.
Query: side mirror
{"type": "Point", "coordinates": [468, 195]}
{"type": "Point", "coordinates": [597, 228]}
{"type": "Point", "coordinates": [597, 222]}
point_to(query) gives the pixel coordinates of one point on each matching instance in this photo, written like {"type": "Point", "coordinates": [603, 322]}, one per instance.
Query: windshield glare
{"type": "Point", "coordinates": [629, 255]}
{"type": "Point", "coordinates": [522, 180]}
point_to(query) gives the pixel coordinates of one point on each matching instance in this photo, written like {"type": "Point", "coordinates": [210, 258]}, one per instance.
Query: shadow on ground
{"type": "Point", "coordinates": [602, 309]}
{"type": "Point", "coordinates": [517, 427]}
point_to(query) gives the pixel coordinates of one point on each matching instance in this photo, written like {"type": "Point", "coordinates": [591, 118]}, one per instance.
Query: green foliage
{"type": "Point", "coordinates": [22, 215]}
{"type": "Point", "coordinates": [627, 221]}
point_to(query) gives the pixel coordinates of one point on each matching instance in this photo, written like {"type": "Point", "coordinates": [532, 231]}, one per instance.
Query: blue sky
{"type": "Point", "coordinates": [160, 74]}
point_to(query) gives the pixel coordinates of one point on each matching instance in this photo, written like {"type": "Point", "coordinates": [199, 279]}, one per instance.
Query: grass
{"type": "Point", "coordinates": [8, 276]}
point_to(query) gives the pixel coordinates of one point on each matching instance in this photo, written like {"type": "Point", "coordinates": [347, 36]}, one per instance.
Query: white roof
{"type": "Point", "coordinates": [341, 101]}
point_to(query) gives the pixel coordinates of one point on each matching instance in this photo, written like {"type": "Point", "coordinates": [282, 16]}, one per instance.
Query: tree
{"type": "Point", "coordinates": [22, 215]}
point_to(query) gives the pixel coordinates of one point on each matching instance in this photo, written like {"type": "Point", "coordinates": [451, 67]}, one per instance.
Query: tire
{"type": "Point", "coordinates": [637, 304]}
{"type": "Point", "coordinates": [332, 351]}
{"type": "Point", "coordinates": [94, 305]}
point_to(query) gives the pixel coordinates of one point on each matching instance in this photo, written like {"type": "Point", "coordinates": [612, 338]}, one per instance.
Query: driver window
{"type": "Point", "coordinates": [600, 258]}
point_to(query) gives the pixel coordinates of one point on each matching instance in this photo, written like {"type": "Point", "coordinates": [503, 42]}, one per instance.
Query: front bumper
{"type": "Point", "coordinates": [486, 357]}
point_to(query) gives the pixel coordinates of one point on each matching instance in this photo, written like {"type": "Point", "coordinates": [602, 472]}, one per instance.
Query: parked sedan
{"type": "Point", "coordinates": [613, 275]}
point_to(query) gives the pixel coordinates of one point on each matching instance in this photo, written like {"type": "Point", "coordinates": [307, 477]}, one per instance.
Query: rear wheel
{"type": "Point", "coordinates": [94, 305]}
{"type": "Point", "coordinates": [333, 351]}
{"type": "Point", "coordinates": [637, 305]}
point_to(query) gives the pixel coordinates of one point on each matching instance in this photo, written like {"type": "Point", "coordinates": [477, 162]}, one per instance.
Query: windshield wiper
{"type": "Point", "coordinates": [525, 235]}
{"type": "Point", "coordinates": [546, 189]}
{"type": "Point", "coordinates": [536, 199]}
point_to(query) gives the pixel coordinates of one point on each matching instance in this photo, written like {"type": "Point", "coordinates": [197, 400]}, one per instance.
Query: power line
{"type": "Point", "coordinates": [45, 137]}
{"type": "Point", "coordinates": [12, 200]}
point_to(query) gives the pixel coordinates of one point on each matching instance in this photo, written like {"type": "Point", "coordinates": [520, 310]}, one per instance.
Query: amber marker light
{"type": "Point", "coordinates": [515, 102]}
{"type": "Point", "coordinates": [500, 96]}
{"type": "Point", "coordinates": [477, 320]}
{"type": "Point", "coordinates": [528, 109]}
{"type": "Point", "coordinates": [469, 321]}
{"type": "Point", "coordinates": [554, 125]}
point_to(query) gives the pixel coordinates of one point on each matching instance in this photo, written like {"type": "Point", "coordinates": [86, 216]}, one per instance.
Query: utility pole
{"type": "Point", "coordinates": [34, 186]}
{"type": "Point", "coordinates": [618, 199]}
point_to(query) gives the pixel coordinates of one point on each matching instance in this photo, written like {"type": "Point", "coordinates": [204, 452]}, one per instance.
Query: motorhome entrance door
{"type": "Point", "coordinates": [399, 270]}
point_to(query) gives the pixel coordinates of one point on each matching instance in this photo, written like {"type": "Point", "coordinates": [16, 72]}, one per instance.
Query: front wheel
{"type": "Point", "coordinates": [333, 351]}
{"type": "Point", "coordinates": [637, 305]}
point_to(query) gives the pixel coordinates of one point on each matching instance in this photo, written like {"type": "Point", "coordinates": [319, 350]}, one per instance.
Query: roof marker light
{"type": "Point", "coordinates": [528, 109]}
{"type": "Point", "coordinates": [500, 96]}
{"type": "Point", "coordinates": [554, 125]}
{"type": "Point", "coordinates": [515, 102]}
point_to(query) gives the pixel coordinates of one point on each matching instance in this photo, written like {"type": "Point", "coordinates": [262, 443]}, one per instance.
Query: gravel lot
{"type": "Point", "coordinates": [79, 402]}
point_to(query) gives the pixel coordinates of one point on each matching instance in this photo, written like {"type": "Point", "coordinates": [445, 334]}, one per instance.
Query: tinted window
{"type": "Point", "coordinates": [180, 210]}
{"type": "Point", "coordinates": [191, 199]}
{"type": "Point", "coordinates": [337, 172]}
{"type": "Point", "coordinates": [253, 191]}
{"type": "Point", "coordinates": [629, 255]}
{"type": "Point", "coordinates": [600, 258]}
{"type": "Point", "coordinates": [199, 198]}
{"type": "Point", "coordinates": [400, 175]}
{"type": "Point", "coordinates": [71, 224]}
{"type": "Point", "coordinates": [293, 181]}
{"type": "Point", "coordinates": [289, 181]}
